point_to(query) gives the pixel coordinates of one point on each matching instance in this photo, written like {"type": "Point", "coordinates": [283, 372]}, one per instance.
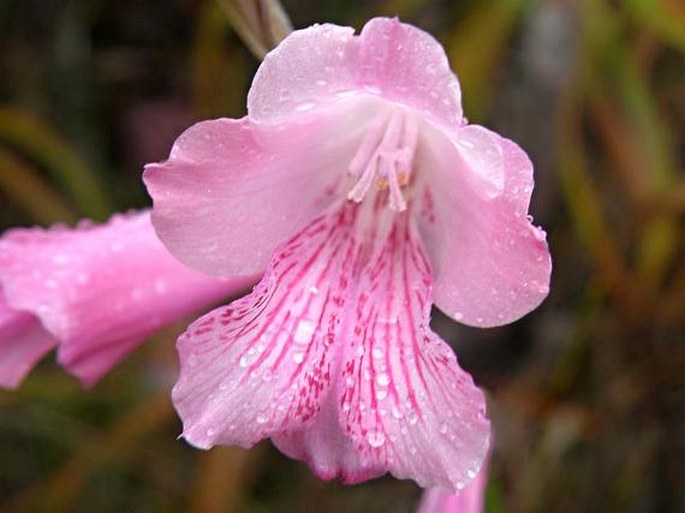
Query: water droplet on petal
{"type": "Point", "coordinates": [304, 331]}
{"type": "Point", "coordinates": [262, 418]}
{"type": "Point", "coordinates": [383, 380]}
{"type": "Point", "coordinates": [377, 353]}
{"type": "Point", "coordinates": [243, 361]}
{"type": "Point", "coordinates": [305, 106]}
{"type": "Point", "coordinates": [376, 439]}
{"type": "Point", "coordinates": [298, 357]}
{"type": "Point", "coordinates": [471, 473]}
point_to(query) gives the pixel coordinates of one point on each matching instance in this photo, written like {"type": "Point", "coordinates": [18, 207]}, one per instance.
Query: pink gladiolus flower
{"type": "Point", "coordinates": [95, 292]}
{"type": "Point", "coordinates": [358, 188]}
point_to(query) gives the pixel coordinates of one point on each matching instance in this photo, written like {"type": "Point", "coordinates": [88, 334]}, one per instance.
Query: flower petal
{"type": "Point", "coordinates": [469, 500]}
{"type": "Point", "coordinates": [265, 363]}
{"type": "Point", "coordinates": [491, 264]}
{"type": "Point", "coordinates": [357, 383]}
{"type": "Point", "coordinates": [231, 190]}
{"type": "Point", "coordinates": [323, 63]}
{"type": "Point", "coordinates": [403, 401]}
{"type": "Point", "coordinates": [101, 290]}
{"type": "Point", "coordinates": [23, 342]}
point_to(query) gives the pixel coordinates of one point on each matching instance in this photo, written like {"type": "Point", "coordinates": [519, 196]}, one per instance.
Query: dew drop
{"type": "Point", "coordinates": [458, 316]}
{"type": "Point", "coordinates": [383, 380]}
{"type": "Point", "coordinates": [262, 418]}
{"type": "Point", "coordinates": [304, 331]}
{"type": "Point", "coordinates": [349, 381]}
{"type": "Point", "coordinates": [381, 394]}
{"type": "Point", "coordinates": [471, 473]}
{"type": "Point", "coordinates": [377, 353]}
{"type": "Point", "coordinates": [346, 406]}
{"type": "Point", "coordinates": [161, 286]}
{"type": "Point", "coordinates": [243, 361]}
{"type": "Point", "coordinates": [376, 439]}
{"type": "Point", "coordinates": [61, 259]}
{"type": "Point", "coordinates": [305, 106]}
{"type": "Point", "coordinates": [298, 357]}
{"type": "Point", "coordinates": [397, 412]}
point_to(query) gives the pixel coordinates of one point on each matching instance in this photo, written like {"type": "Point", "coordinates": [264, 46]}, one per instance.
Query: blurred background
{"type": "Point", "coordinates": [587, 393]}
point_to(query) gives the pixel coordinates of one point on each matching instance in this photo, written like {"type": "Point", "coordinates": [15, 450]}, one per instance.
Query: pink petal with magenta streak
{"type": "Point", "coordinates": [356, 382]}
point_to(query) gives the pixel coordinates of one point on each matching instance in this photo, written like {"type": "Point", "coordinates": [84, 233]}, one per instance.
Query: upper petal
{"type": "Point", "coordinates": [101, 290]}
{"type": "Point", "coordinates": [23, 341]}
{"type": "Point", "coordinates": [318, 65]}
{"type": "Point", "coordinates": [232, 190]}
{"type": "Point", "coordinates": [491, 264]}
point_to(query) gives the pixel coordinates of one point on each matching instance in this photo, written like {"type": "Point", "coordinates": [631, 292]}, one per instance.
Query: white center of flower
{"type": "Point", "coordinates": [385, 157]}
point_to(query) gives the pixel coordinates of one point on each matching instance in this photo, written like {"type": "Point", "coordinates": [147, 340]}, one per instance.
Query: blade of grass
{"type": "Point", "coordinates": [25, 188]}
{"type": "Point", "coordinates": [261, 24]}
{"type": "Point", "coordinates": [475, 52]}
{"type": "Point", "coordinates": [218, 70]}
{"type": "Point", "coordinates": [63, 488]}
{"type": "Point", "coordinates": [665, 19]}
{"type": "Point", "coordinates": [30, 137]}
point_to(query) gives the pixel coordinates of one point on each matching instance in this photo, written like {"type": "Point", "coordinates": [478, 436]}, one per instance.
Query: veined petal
{"type": "Point", "coordinates": [101, 290]}
{"type": "Point", "coordinates": [318, 65]}
{"type": "Point", "coordinates": [232, 190]}
{"type": "Point", "coordinates": [404, 404]}
{"type": "Point", "coordinates": [358, 384]}
{"type": "Point", "coordinates": [491, 264]}
{"type": "Point", "coordinates": [265, 363]}
{"type": "Point", "coordinates": [23, 342]}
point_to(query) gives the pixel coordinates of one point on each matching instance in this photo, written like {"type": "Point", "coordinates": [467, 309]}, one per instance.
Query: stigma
{"type": "Point", "coordinates": [385, 157]}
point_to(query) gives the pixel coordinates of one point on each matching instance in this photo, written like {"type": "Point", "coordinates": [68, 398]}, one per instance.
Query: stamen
{"type": "Point", "coordinates": [385, 157]}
